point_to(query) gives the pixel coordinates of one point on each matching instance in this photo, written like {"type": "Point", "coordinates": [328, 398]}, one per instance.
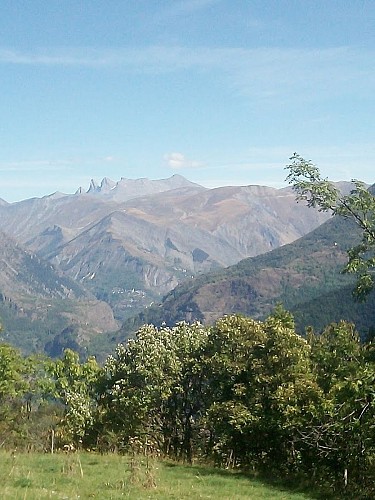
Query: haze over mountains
{"type": "Point", "coordinates": [126, 244]}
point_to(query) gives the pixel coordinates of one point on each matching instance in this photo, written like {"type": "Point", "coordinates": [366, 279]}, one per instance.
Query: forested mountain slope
{"type": "Point", "coordinates": [305, 276]}
{"type": "Point", "coordinates": [36, 301]}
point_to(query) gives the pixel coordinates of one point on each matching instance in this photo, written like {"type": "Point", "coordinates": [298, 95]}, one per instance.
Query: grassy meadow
{"type": "Point", "coordinates": [87, 475]}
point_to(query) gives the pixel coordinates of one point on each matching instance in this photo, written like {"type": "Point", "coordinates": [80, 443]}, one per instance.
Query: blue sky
{"type": "Point", "coordinates": [219, 91]}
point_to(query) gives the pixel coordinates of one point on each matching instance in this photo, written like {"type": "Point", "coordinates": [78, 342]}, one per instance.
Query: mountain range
{"type": "Point", "coordinates": [131, 242]}
{"type": "Point", "coordinates": [122, 246]}
{"type": "Point", "coordinates": [304, 276]}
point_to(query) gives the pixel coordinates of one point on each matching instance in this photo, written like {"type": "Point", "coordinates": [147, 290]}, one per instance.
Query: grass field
{"type": "Point", "coordinates": [88, 475]}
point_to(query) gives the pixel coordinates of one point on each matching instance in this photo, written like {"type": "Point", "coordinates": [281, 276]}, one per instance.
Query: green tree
{"type": "Point", "coordinates": [342, 441]}
{"type": "Point", "coordinates": [358, 206]}
{"type": "Point", "coordinates": [263, 389]}
{"type": "Point", "coordinates": [14, 385]}
{"type": "Point", "coordinates": [153, 387]}
{"type": "Point", "coordinates": [74, 384]}
{"type": "Point", "coordinates": [234, 348]}
{"type": "Point", "coordinates": [12, 373]}
{"type": "Point", "coordinates": [336, 353]}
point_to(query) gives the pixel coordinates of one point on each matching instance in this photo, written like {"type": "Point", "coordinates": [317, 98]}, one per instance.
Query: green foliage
{"type": "Point", "coordinates": [250, 393]}
{"type": "Point", "coordinates": [263, 388]}
{"type": "Point", "coordinates": [343, 438]}
{"type": "Point", "coordinates": [74, 385]}
{"type": "Point", "coordinates": [336, 353]}
{"type": "Point", "coordinates": [358, 206]}
{"type": "Point", "coordinates": [26, 410]}
{"type": "Point", "coordinates": [153, 386]}
{"type": "Point", "coordinates": [12, 370]}
{"type": "Point", "coordinates": [243, 393]}
{"type": "Point", "coordinates": [310, 186]}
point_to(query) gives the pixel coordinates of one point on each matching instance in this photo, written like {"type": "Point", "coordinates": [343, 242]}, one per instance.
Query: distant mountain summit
{"type": "Point", "coordinates": [127, 189]}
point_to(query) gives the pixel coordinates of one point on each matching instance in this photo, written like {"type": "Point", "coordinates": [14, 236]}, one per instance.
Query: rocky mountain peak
{"type": "Point", "coordinates": [94, 187]}
{"type": "Point", "coordinates": [127, 189]}
{"type": "Point", "coordinates": [106, 185]}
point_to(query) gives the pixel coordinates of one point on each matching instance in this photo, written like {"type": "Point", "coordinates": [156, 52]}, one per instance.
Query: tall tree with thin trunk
{"type": "Point", "coordinates": [358, 206]}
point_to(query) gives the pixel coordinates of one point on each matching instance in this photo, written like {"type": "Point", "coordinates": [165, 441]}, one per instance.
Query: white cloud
{"type": "Point", "coordinates": [178, 161]}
